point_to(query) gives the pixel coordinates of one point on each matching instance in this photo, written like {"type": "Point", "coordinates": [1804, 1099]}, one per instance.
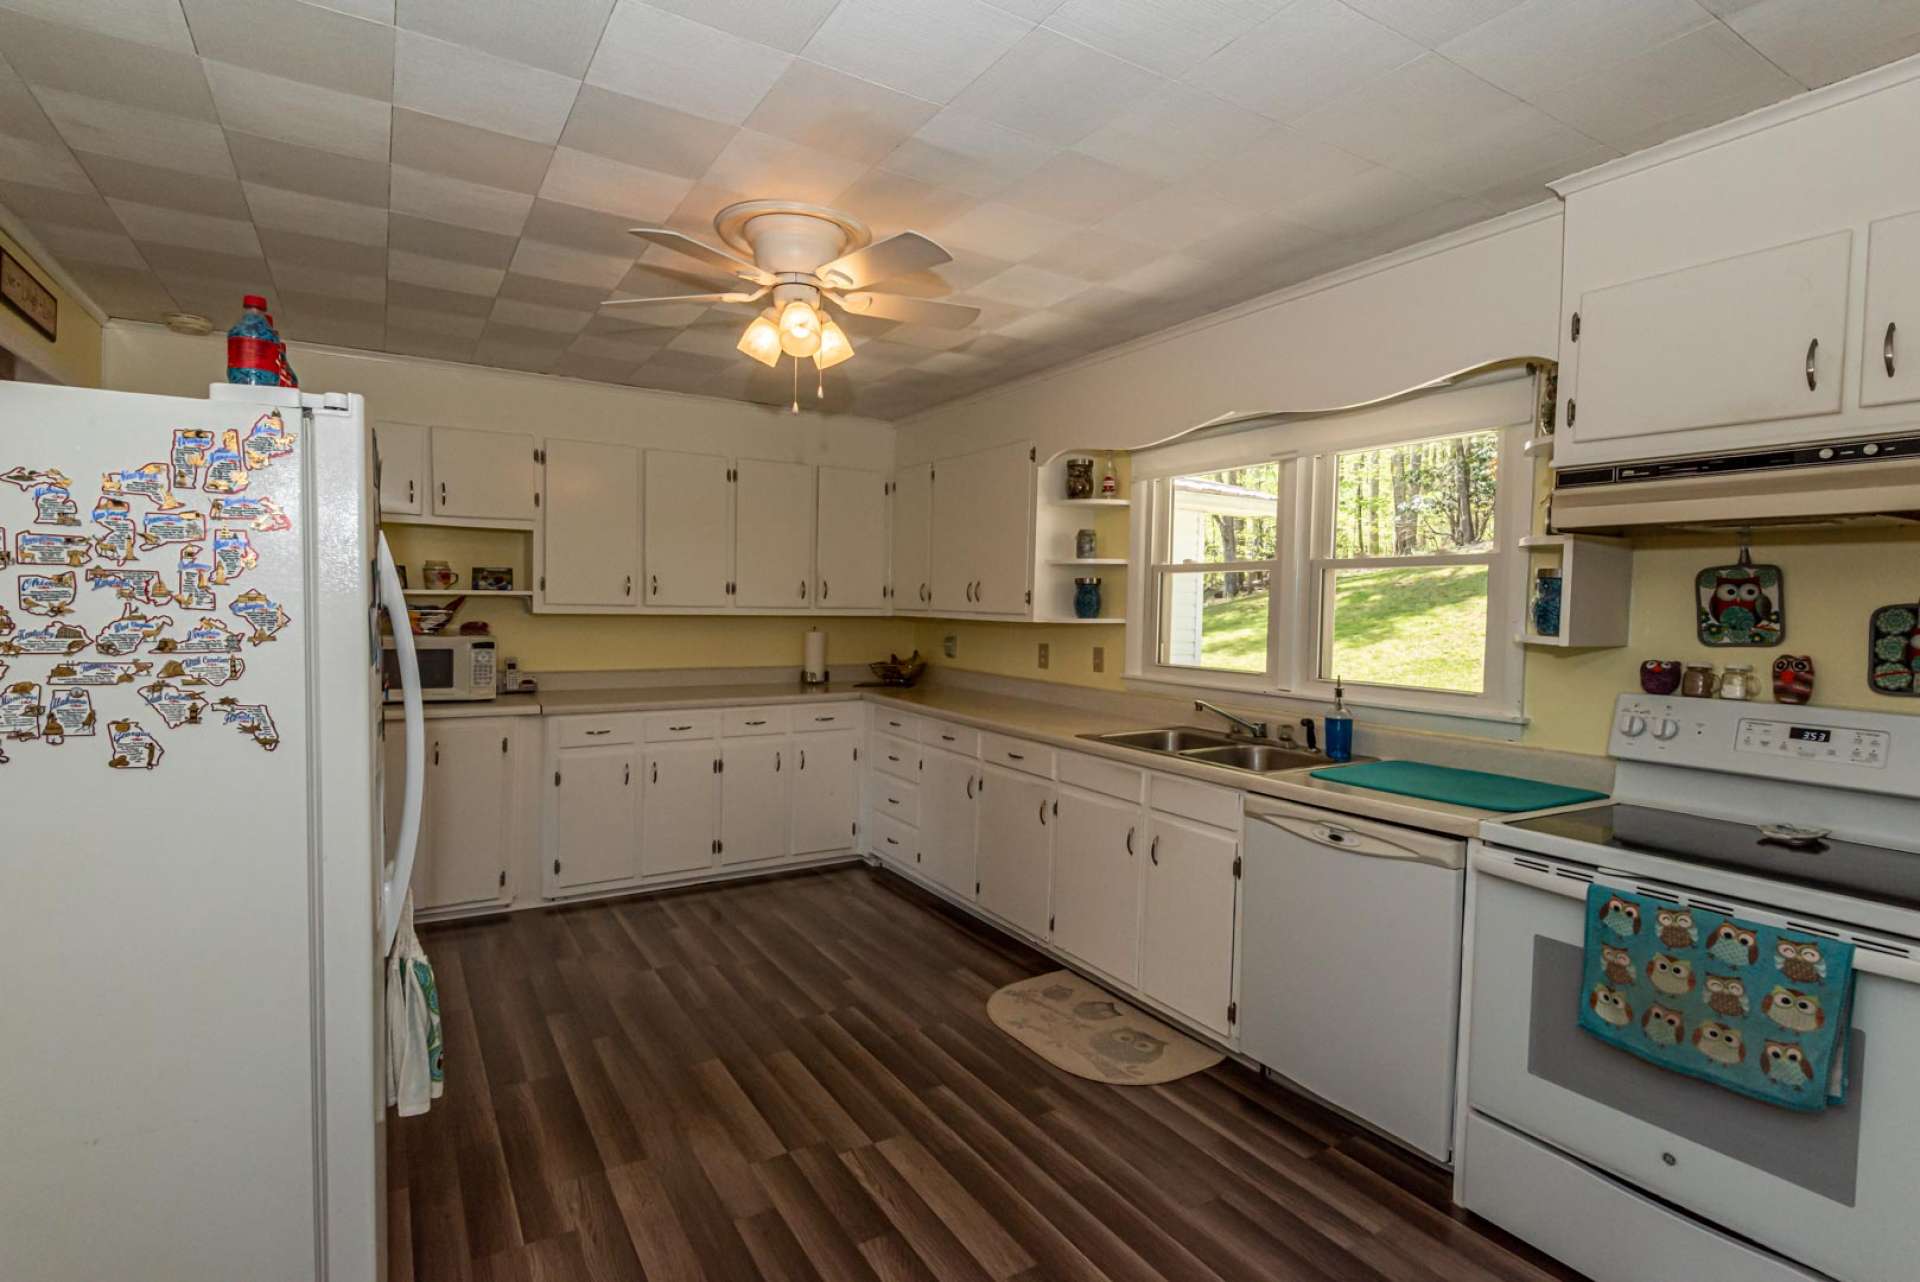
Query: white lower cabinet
{"type": "Point", "coordinates": [947, 819]}
{"type": "Point", "coordinates": [1016, 847]}
{"type": "Point", "coordinates": [755, 805]}
{"type": "Point", "coordinates": [680, 820]}
{"type": "Point", "coordinates": [826, 792]}
{"type": "Point", "coordinates": [595, 810]}
{"type": "Point", "coordinates": [1098, 847]}
{"type": "Point", "coordinates": [467, 820]}
{"type": "Point", "coordinates": [1189, 895]}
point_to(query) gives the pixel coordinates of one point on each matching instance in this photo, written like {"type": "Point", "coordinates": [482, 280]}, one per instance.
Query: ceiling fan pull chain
{"type": "Point", "coordinates": [796, 386]}
{"type": "Point", "coordinates": [819, 382]}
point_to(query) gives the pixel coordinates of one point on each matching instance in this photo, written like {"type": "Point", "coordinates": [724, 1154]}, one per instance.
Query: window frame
{"type": "Point", "coordinates": [1161, 569]}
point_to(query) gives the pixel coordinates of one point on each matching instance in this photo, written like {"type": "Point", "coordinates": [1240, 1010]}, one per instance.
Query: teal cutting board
{"type": "Point", "coordinates": [1476, 788]}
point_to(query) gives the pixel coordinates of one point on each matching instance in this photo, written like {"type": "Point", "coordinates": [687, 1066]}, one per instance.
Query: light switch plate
{"type": "Point", "coordinates": [1045, 656]}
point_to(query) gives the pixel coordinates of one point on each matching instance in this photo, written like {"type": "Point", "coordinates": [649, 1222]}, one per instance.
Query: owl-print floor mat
{"type": "Point", "coordinates": [1079, 1026]}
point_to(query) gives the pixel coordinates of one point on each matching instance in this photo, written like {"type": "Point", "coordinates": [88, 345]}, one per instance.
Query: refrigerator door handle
{"type": "Point", "coordinates": [393, 887]}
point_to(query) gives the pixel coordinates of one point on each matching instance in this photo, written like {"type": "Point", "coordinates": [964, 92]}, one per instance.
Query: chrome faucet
{"type": "Point", "coordinates": [1257, 729]}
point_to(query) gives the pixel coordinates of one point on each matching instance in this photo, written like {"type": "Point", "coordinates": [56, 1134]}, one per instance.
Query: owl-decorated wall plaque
{"type": "Point", "coordinates": [1741, 605]}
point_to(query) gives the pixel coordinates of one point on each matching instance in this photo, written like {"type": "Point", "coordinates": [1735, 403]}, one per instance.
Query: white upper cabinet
{"type": "Point", "coordinates": [689, 529]}
{"type": "Point", "coordinates": [1747, 339]}
{"type": "Point", "coordinates": [773, 535]}
{"type": "Point", "coordinates": [982, 532]}
{"type": "Point", "coordinates": [851, 557]}
{"type": "Point", "coordinates": [489, 476]}
{"type": "Point", "coordinates": [912, 528]}
{"type": "Point", "coordinates": [403, 467]}
{"type": "Point", "coordinates": [1890, 363]}
{"type": "Point", "coordinates": [592, 548]}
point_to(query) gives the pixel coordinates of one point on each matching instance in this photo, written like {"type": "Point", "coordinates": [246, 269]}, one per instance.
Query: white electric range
{"type": "Point", "coordinates": [1791, 816]}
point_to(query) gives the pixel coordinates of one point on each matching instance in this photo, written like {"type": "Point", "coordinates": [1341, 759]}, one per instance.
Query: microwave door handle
{"type": "Point", "coordinates": [397, 879]}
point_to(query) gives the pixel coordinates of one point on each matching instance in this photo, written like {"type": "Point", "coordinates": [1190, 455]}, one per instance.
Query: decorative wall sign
{"type": "Point", "coordinates": [257, 612]}
{"type": "Point", "coordinates": [55, 638]}
{"type": "Point", "coordinates": [144, 586]}
{"type": "Point", "coordinates": [114, 516]}
{"type": "Point", "coordinates": [52, 549]}
{"type": "Point", "coordinates": [195, 581]}
{"type": "Point", "coordinates": [1742, 604]}
{"type": "Point", "coordinates": [53, 505]}
{"type": "Point", "coordinates": [1893, 649]}
{"type": "Point", "coordinates": [94, 673]}
{"type": "Point", "coordinates": [190, 449]}
{"type": "Point", "coordinates": [69, 712]}
{"type": "Point", "coordinates": [151, 481]}
{"type": "Point", "coordinates": [21, 710]}
{"type": "Point", "coordinates": [133, 629]}
{"type": "Point", "coordinates": [208, 636]}
{"type": "Point", "coordinates": [233, 555]}
{"type": "Point", "coordinates": [48, 595]}
{"type": "Point", "coordinates": [226, 468]}
{"type": "Point", "coordinates": [157, 529]}
{"type": "Point", "coordinates": [204, 669]}
{"type": "Point", "coordinates": [252, 720]}
{"type": "Point", "coordinates": [176, 707]}
{"type": "Point", "coordinates": [262, 513]}
{"type": "Point", "coordinates": [23, 293]}
{"type": "Point", "coordinates": [26, 478]}
{"type": "Point", "coordinates": [268, 439]}
{"type": "Point", "coordinates": [132, 747]}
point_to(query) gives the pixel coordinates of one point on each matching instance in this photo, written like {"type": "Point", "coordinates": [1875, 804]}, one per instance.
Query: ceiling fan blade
{"type": "Point", "coordinates": [681, 243]}
{"type": "Point", "coordinates": [900, 255]}
{"type": "Point", "coordinates": [912, 311]}
{"type": "Point", "coordinates": [689, 298]}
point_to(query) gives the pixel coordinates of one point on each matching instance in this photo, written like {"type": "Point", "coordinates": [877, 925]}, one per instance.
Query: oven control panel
{"type": "Point", "coordinates": [1809, 742]}
{"type": "Point", "coordinates": [1872, 751]}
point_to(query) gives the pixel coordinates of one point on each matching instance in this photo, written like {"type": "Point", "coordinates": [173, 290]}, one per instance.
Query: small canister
{"type": "Point", "coordinates": [1085, 545]}
{"type": "Point", "coordinates": [1737, 682]}
{"type": "Point", "coordinates": [1699, 681]}
{"type": "Point", "coordinates": [1086, 598]}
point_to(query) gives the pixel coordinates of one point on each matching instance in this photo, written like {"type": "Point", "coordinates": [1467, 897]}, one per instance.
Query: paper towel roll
{"type": "Point", "coordinates": [813, 662]}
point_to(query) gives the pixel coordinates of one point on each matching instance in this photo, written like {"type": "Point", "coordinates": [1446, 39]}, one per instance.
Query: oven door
{"type": "Point", "coordinates": [1834, 1190]}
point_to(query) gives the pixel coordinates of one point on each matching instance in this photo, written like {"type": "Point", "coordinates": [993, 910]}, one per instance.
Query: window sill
{"type": "Point", "coordinates": [1483, 723]}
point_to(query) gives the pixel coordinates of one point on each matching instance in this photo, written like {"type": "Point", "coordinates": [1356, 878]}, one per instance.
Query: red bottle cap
{"type": "Point", "coordinates": [254, 300]}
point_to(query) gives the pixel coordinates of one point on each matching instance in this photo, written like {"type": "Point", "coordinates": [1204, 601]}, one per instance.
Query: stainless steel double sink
{"type": "Point", "coordinates": [1235, 752]}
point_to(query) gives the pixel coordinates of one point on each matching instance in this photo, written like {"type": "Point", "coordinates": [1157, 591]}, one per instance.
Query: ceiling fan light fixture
{"type": "Point", "coordinates": [835, 346]}
{"type": "Point", "coordinates": [799, 329]}
{"type": "Point", "coordinates": [762, 339]}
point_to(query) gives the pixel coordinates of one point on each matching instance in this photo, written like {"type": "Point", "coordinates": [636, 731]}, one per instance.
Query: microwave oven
{"type": "Point", "coordinates": [451, 668]}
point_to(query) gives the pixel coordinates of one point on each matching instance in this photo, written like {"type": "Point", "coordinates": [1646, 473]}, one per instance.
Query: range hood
{"type": "Point", "coordinates": [1870, 480]}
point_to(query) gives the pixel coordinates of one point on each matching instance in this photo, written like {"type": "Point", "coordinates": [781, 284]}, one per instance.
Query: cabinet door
{"type": "Point", "coordinates": [689, 544]}
{"type": "Point", "coordinates": [947, 818]}
{"type": "Point", "coordinates": [489, 475]}
{"type": "Point", "coordinates": [463, 853]}
{"type": "Point", "coordinates": [596, 810]}
{"type": "Point", "coordinates": [1723, 343]}
{"type": "Point", "coordinates": [773, 535]}
{"type": "Point", "coordinates": [1890, 366]}
{"type": "Point", "coordinates": [402, 450]}
{"type": "Point", "coordinates": [680, 823]}
{"type": "Point", "coordinates": [1096, 882]}
{"type": "Point", "coordinates": [1186, 931]}
{"type": "Point", "coordinates": [824, 791]}
{"type": "Point", "coordinates": [1016, 847]}
{"type": "Point", "coordinates": [592, 543]}
{"type": "Point", "coordinates": [754, 798]}
{"type": "Point", "coordinates": [954, 536]}
{"type": "Point", "coordinates": [1003, 515]}
{"type": "Point", "coordinates": [851, 561]}
{"type": "Point", "coordinates": [912, 523]}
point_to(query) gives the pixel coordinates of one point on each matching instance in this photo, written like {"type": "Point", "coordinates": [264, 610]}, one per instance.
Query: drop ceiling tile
{"type": "Point", "coordinates": [636, 132]}
{"type": "Point", "coordinates": [305, 169]}
{"type": "Point", "coordinates": [299, 41]}
{"type": "Point", "coordinates": [331, 331]}
{"type": "Point", "coordinates": [453, 325]}
{"type": "Point", "coordinates": [1174, 216]}
{"type": "Point", "coordinates": [468, 152]}
{"type": "Point", "coordinates": [1074, 188]}
{"type": "Point", "coordinates": [557, 35]}
{"type": "Point", "coordinates": [426, 298]}
{"type": "Point", "coordinates": [787, 25]}
{"type": "Point", "coordinates": [464, 204]}
{"type": "Point", "coordinates": [1031, 10]}
{"type": "Point", "coordinates": [1056, 89]}
{"type": "Point", "coordinates": [303, 278]}
{"type": "Point", "coordinates": [316, 215]}
{"type": "Point", "coordinates": [305, 114]}
{"type": "Point", "coordinates": [1097, 256]}
{"type": "Point", "coordinates": [1174, 132]}
{"type": "Point", "coordinates": [508, 352]}
{"type": "Point", "coordinates": [1281, 167]}
{"type": "Point", "coordinates": [676, 62]}
{"type": "Point", "coordinates": [20, 115]}
{"type": "Point", "coordinates": [553, 293]}
{"type": "Point", "coordinates": [154, 223]}
{"type": "Point", "coordinates": [51, 55]}
{"type": "Point", "coordinates": [773, 167]}
{"type": "Point", "coordinates": [86, 245]}
{"type": "Point", "coordinates": [457, 83]}
{"type": "Point", "coordinates": [148, 22]}
{"type": "Point", "coordinates": [834, 112]}
{"type": "Point", "coordinates": [441, 274]}
{"type": "Point", "coordinates": [594, 182]}
{"type": "Point", "coordinates": [150, 185]}
{"type": "Point", "coordinates": [1168, 36]}
{"type": "Point", "coordinates": [573, 266]}
{"type": "Point", "coordinates": [891, 203]}
{"type": "Point", "coordinates": [1821, 41]}
{"type": "Point", "coordinates": [1364, 202]}
{"type": "Point", "coordinates": [931, 337]}
{"type": "Point", "coordinates": [204, 270]}
{"type": "Point", "coordinates": [323, 251]}
{"type": "Point", "coordinates": [445, 240]}
{"type": "Point", "coordinates": [1435, 220]}
{"type": "Point", "coordinates": [49, 165]}
{"type": "Point", "coordinates": [555, 320]}
{"type": "Point", "coordinates": [1169, 273]}
{"type": "Point", "coordinates": [134, 293]}
{"type": "Point", "coordinates": [1432, 22]}
{"type": "Point", "coordinates": [591, 230]}
{"type": "Point", "coordinates": [680, 371]}
{"type": "Point", "coordinates": [1302, 56]}
{"type": "Point", "coordinates": [1244, 245]}
{"type": "Point", "coordinates": [968, 154]}
{"type": "Point", "coordinates": [150, 137]}
{"type": "Point", "coordinates": [955, 363]}
{"type": "Point", "coordinates": [630, 348]}
{"type": "Point", "coordinates": [1533, 47]}
{"type": "Point", "coordinates": [430, 343]}
{"type": "Point", "coordinates": [1710, 70]}
{"type": "Point", "coordinates": [49, 205]}
{"type": "Point", "coordinates": [577, 364]}
{"type": "Point", "coordinates": [708, 340]}
{"type": "Point", "coordinates": [657, 322]}
{"type": "Point", "coordinates": [1409, 115]}
{"type": "Point", "coordinates": [1004, 231]}
{"type": "Point", "coordinates": [929, 48]}
{"type": "Point", "coordinates": [372, 10]}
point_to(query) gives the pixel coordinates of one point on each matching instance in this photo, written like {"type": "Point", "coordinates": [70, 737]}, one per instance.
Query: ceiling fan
{"type": "Point", "coordinates": [805, 256]}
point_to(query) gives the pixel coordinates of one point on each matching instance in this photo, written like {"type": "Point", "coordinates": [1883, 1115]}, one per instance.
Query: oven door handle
{"type": "Point", "coordinates": [395, 883]}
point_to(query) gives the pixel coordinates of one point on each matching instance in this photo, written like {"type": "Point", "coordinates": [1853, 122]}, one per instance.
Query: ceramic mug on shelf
{"type": "Point", "coordinates": [438, 575]}
{"type": "Point", "coordinates": [1699, 681]}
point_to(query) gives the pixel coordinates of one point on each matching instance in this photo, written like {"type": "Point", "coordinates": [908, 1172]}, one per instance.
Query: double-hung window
{"type": "Point", "coordinates": [1217, 552]}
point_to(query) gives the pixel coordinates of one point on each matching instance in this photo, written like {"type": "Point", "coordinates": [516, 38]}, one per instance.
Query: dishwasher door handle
{"type": "Point", "coordinates": [1369, 842]}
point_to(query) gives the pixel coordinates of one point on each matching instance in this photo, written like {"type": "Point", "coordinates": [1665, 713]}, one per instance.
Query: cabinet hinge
{"type": "Point", "coordinates": [1236, 868]}
{"type": "Point", "coordinates": [556, 778]}
{"type": "Point", "coordinates": [503, 745]}
{"type": "Point", "coordinates": [1233, 1012]}
{"type": "Point", "coordinates": [539, 456]}
{"type": "Point", "coordinates": [1574, 329]}
{"type": "Point", "coordinates": [536, 498]}
{"type": "Point", "coordinates": [556, 867]}
{"type": "Point", "coordinates": [716, 765]}
{"type": "Point", "coordinates": [855, 829]}
{"type": "Point", "coordinates": [1050, 922]}
{"type": "Point", "coordinates": [933, 474]}
{"type": "Point", "coordinates": [503, 879]}
{"type": "Point", "coordinates": [719, 846]}
{"type": "Point", "coordinates": [856, 754]}
{"type": "Point", "coordinates": [976, 887]}
{"type": "Point", "coordinates": [1033, 454]}
{"type": "Point", "coordinates": [1572, 409]}
{"type": "Point", "coordinates": [1029, 596]}
{"type": "Point", "coordinates": [543, 583]}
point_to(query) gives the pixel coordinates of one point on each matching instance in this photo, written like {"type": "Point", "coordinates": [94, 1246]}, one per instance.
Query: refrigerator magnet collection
{"type": "Point", "coordinates": [55, 703]}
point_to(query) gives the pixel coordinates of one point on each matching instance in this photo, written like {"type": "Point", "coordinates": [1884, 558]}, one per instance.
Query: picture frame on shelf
{"type": "Point", "coordinates": [492, 578]}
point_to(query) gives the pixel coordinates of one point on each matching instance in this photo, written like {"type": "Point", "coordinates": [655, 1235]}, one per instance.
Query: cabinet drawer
{"type": "Point", "coordinates": [838, 716]}
{"type": "Point", "coordinates": [746, 721]}
{"type": "Point", "coordinates": [1109, 778]}
{"type": "Point", "coordinates": [1017, 754]}
{"type": "Point", "coordinates": [1201, 802]}
{"type": "Point", "coordinates": [904, 724]}
{"type": "Point", "coordinates": [944, 734]}
{"type": "Point", "coordinates": [896, 757]}
{"type": "Point", "coordinates": [593, 732]}
{"type": "Point", "coordinates": [895, 842]}
{"type": "Point", "coordinates": [694, 723]}
{"type": "Point", "coordinates": [897, 799]}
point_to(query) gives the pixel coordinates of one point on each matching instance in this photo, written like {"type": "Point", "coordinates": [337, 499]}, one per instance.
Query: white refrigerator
{"type": "Point", "coordinates": [195, 897]}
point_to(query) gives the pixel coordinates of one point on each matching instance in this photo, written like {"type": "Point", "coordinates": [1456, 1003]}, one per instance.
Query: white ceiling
{"type": "Point", "coordinates": [452, 178]}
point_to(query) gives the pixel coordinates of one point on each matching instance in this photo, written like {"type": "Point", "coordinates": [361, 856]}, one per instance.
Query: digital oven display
{"type": "Point", "coordinates": [1809, 734]}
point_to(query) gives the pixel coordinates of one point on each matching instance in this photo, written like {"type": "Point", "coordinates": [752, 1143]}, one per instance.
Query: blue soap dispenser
{"type": "Point", "coordinates": [1338, 726]}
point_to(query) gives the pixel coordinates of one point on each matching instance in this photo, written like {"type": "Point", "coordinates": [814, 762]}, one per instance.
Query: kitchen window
{"type": "Point", "coordinates": [1216, 570]}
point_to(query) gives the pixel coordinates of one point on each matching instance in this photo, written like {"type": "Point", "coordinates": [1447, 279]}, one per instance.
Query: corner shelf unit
{"type": "Point", "coordinates": [1057, 521]}
{"type": "Point", "coordinates": [1596, 590]}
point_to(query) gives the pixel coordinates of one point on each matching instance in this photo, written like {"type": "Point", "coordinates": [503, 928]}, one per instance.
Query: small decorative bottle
{"type": "Point", "coordinates": [1086, 598]}
{"type": "Point", "coordinates": [1546, 603]}
{"type": "Point", "coordinates": [1109, 484]}
{"type": "Point", "coordinates": [1338, 726]}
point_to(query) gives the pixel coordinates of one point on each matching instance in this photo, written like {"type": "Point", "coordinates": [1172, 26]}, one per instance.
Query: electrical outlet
{"type": "Point", "coordinates": [1045, 655]}
{"type": "Point", "coordinates": [950, 645]}
{"type": "Point", "coordinates": [1099, 658]}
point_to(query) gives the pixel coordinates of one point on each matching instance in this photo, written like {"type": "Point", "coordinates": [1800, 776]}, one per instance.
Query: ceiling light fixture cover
{"type": "Point", "coordinates": [762, 340]}
{"type": "Point", "coordinates": [799, 329]}
{"type": "Point", "coordinates": [834, 345]}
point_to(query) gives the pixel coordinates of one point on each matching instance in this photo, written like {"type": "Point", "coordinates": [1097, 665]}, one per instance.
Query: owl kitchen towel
{"type": "Point", "coordinates": [1758, 1010]}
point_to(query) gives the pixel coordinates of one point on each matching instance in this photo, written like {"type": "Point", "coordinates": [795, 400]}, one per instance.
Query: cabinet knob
{"type": "Point", "coordinates": [803, 589]}
{"type": "Point", "coordinates": [655, 583]}
{"type": "Point", "coordinates": [629, 585]}
{"type": "Point", "coordinates": [824, 589]}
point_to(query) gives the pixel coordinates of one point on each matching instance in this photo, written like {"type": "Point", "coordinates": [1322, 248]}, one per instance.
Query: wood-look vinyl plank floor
{"type": "Point", "coordinates": [796, 1080]}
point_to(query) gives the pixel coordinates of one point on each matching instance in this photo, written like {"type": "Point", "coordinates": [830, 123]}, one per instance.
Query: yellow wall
{"type": "Point", "coordinates": [75, 358]}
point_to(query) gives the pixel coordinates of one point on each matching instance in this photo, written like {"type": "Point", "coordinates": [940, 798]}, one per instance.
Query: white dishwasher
{"type": "Point", "coordinates": [1350, 964]}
